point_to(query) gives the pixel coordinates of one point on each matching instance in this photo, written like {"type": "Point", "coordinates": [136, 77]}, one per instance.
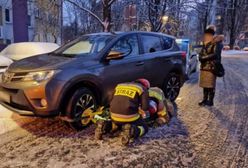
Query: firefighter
{"type": "Point", "coordinates": [158, 106]}
{"type": "Point", "coordinates": [128, 100]}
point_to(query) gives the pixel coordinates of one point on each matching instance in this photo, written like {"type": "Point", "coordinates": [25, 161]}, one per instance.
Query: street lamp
{"type": "Point", "coordinates": [218, 17]}
{"type": "Point", "coordinates": [165, 19]}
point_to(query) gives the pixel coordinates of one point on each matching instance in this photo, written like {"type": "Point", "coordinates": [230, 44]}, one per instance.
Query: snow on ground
{"type": "Point", "coordinates": [235, 52]}
{"type": "Point", "coordinates": [197, 137]}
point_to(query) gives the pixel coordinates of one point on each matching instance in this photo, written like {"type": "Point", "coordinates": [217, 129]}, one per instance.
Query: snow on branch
{"type": "Point", "coordinates": [87, 10]}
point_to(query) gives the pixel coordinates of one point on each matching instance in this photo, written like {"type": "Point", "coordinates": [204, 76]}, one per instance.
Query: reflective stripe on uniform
{"type": "Point", "coordinates": [162, 112]}
{"type": "Point", "coordinates": [155, 94]}
{"type": "Point", "coordinates": [142, 130]}
{"type": "Point", "coordinates": [126, 118]}
{"type": "Point", "coordinates": [128, 90]}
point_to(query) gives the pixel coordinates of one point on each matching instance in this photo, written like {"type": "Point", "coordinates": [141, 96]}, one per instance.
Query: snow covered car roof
{"type": "Point", "coordinates": [23, 50]}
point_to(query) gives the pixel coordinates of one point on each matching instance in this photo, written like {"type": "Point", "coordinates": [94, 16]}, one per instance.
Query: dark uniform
{"type": "Point", "coordinates": [124, 107]}
{"type": "Point", "coordinates": [128, 100]}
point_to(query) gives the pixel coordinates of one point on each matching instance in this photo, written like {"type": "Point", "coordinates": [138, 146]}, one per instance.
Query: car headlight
{"type": "Point", "coordinates": [39, 76]}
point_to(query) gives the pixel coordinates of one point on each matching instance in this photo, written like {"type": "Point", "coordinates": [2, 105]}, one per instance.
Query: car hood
{"type": "Point", "coordinates": [39, 63]}
{"type": "Point", "coordinates": [4, 61]}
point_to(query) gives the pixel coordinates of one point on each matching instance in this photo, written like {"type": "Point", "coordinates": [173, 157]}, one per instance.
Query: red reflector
{"type": "Point", "coordinates": [184, 54]}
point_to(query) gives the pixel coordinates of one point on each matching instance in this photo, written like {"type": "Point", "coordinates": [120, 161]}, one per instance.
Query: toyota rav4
{"type": "Point", "coordinates": [83, 73]}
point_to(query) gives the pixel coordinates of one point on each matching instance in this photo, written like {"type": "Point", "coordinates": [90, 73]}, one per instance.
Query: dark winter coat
{"type": "Point", "coordinates": [209, 56]}
{"type": "Point", "coordinates": [211, 53]}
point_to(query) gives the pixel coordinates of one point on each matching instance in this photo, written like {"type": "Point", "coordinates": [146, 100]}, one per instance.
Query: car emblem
{"type": "Point", "coordinates": [7, 76]}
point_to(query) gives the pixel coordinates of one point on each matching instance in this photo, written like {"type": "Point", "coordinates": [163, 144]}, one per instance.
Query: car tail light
{"type": "Point", "coordinates": [184, 54]}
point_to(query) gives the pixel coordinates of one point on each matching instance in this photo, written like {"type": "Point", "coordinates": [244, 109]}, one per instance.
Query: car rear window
{"type": "Point", "coordinates": [151, 43]}
{"type": "Point", "coordinates": [168, 43]}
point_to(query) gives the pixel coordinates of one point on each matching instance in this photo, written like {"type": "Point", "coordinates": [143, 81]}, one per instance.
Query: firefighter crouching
{"type": "Point", "coordinates": [124, 111]}
{"type": "Point", "coordinates": [158, 106]}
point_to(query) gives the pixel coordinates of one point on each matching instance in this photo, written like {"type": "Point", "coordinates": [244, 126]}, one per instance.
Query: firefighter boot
{"type": "Point", "coordinates": [160, 122]}
{"type": "Point", "coordinates": [127, 134]}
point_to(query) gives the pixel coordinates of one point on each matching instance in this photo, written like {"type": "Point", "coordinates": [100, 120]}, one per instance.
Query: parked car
{"type": "Point", "coordinates": [4, 63]}
{"type": "Point", "coordinates": [245, 48]}
{"type": "Point", "coordinates": [18, 51]}
{"type": "Point", "coordinates": [226, 47]}
{"type": "Point", "coordinates": [83, 74]}
{"type": "Point", "coordinates": [191, 60]}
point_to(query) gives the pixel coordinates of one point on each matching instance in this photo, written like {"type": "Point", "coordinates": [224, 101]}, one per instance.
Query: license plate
{"type": "Point", "coordinates": [4, 97]}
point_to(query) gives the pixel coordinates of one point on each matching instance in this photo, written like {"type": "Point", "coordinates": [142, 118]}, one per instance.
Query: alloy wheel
{"type": "Point", "coordinates": [84, 103]}
{"type": "Point", "coordinates": [173, 88]}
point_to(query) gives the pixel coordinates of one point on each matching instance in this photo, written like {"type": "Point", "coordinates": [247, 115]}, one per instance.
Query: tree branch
{"type": "Point", "coordinates": [86, 10]}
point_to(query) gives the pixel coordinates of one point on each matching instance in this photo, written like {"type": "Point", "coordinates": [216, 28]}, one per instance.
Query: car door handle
{"type": "Point", "coordinates": [140, 63]}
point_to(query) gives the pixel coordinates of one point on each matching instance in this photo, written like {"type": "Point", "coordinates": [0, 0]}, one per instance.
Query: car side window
{"type": "Point", "coordinates": [168, 43]}
{"type": "Point", "coordinates": [127, 45]}
{"type": "Point", "coordinates": [151, 43]}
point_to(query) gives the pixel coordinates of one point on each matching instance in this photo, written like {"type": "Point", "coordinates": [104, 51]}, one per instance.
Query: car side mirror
{"type": "Point", "coordinates": [115, 55]}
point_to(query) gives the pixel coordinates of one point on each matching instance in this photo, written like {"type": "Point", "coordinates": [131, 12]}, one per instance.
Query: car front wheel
{"type": "Point", "coordinates": [80, 107]}
{"type": "Point", "coordinates": [172, 86]}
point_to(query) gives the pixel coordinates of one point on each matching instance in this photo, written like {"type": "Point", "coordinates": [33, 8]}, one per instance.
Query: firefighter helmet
{"type": "Point", "coordinates": [144, 82]}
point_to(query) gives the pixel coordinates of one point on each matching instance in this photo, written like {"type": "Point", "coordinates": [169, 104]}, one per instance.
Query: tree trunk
{"type": "Point", "coordinates": [233, 25]}
{"type": "Point", "coordinates": [232, 41]}
{"type": "Point", "coordinates": [107, 16]}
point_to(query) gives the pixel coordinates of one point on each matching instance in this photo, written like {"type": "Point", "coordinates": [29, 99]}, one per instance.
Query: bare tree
{"type": "Point", "coordinates": [105, 19]}
{"type": "Point", "coordinates": [236, 18]}
{"type": "Point", "coordinates": [174, 9]}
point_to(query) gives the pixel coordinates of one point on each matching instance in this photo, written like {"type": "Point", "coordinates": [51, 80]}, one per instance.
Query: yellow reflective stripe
{"type": "Point", "coordinates": [162, 112]}
{"type": "Point", "coordinates": [155, 94]}
{"type": "Point", "coordinates": [142, 130]}
{"type": "Point", "coordinates": [125, 119]}
{"type": "Point", "coordinates": [130, 87]}
{"type": "Point", "coordinates": [125, 92]}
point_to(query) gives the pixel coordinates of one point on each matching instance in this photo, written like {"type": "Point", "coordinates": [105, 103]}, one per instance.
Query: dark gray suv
{"type": "Point", "coordinates": [84, 72]}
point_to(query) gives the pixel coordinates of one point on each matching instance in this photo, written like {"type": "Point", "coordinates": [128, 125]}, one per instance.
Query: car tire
{"type": "Point", "coordinates": [172, 86]}
{"type": "Point", "coordinates": [81, 100]}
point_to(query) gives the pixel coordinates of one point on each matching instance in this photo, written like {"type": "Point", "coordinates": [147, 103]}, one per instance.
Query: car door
{"type": "Point", "coordinates": [193, 61]}
{"type": "Point", "coordinates": [154, 58]}
{"type": "Point", "coordinates": [125, 69]}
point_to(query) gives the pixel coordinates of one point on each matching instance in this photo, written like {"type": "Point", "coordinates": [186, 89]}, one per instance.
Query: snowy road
{"type": "Point", "coordinates": [198, 137]}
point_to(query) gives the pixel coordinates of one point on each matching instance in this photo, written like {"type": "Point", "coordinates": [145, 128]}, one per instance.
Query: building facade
{"type": "Point", "coordinates": [30, 20]}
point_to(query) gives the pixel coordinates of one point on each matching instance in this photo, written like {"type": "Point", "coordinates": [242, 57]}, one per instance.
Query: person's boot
{"type": "Point", "coordinates": [205, 97]}
{"type": "Point", "coordinates": [210, 101]}
{"type": "Point", "coordinates": [127, 134]}
{"type": "Point", "coordinates": [161, 121]}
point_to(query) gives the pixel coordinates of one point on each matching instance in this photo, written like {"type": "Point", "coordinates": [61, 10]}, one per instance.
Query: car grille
{"type": "Point", "coordinates": [3, 67]}
{"type": "Point", "coordinates": [13, 77]}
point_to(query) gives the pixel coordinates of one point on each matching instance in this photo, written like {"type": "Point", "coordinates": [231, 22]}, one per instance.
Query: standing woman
{"type": "Point", "coordinates": [210, 55]}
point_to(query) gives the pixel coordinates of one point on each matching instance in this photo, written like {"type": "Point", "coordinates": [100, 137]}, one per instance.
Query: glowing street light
{"type": "Point", "coordinates": [165, 19]}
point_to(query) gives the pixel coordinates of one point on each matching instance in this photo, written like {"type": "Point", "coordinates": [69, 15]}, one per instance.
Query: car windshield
{"type": "Point", "coordinates": [84, 45]}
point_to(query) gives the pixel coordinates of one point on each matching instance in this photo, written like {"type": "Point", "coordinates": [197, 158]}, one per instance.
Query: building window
{"type": "Point", "coordinates": [29, 20]}
{"type": "Point", "coordinates": [7, 15]}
